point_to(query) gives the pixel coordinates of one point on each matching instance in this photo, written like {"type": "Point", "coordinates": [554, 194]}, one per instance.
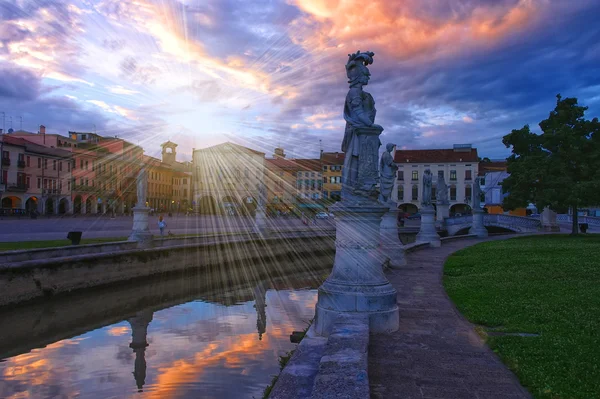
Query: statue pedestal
{"type": "Point", "coordinates": [427, 232]}
{"type": "Point", "coordinates": [140, 231]}
{"type": "Point", "coordinates": [390, 244]}
{"type": "Point", "coordinates": [357, 285]}
{"type": "Point", "coordinates": [548, 219]}
{"type": "Point", "coordinates": [443, 211]}
{"type": "Point", "coordinates": [478, 228]}
{"type": "Point", "coordinates": [260, 223]}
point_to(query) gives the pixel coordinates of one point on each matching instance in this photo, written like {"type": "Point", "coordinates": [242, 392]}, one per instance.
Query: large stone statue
{"type": "Point", "coordinates": [360, 145]}
{"type": "Point", "coordinates": [442, 191]}
{"type": "Point", "coordinates": [426, 200]}
{"type": "Point", "coordinates": [142, 187]}
{"type": "Point", "coordinates": [262, 194]}
{"type": "Point", "coordinates": [387, 173]}
{"type": "Point", "coordinates": [476, 195]}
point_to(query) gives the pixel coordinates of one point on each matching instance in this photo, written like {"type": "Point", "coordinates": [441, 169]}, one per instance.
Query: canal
{"type": "Point", "coordinates": [214, 334]}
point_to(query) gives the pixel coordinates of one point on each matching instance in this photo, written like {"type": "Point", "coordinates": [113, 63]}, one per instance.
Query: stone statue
{"type": "Point", "coordinates": [359, 112]}
{"type": "Point", "coordinates": [426, 201]}
{"type": "Point", "coordinates": [387, 173]}
{"type": "Point", "coordinates": [142, 187]}
{"type": "Point", "coordinates": [442, 191]}
{"type": "Point", "coordinates": [476, 201]}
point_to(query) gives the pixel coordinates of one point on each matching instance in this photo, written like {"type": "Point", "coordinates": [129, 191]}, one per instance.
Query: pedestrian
{"type": "Point", "coordinates": [161, 226]}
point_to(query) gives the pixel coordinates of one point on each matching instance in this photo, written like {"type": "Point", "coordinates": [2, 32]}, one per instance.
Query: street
{"type": "Point", "coordinates": [26, 229]}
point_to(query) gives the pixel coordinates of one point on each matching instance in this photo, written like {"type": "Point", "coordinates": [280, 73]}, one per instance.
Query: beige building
{"type": "Point", "coordinates": [227, 178]}
{"type": "Point", "coordinates": [332, 164]}
{"type": "Point", "coordinates": [459, 166]}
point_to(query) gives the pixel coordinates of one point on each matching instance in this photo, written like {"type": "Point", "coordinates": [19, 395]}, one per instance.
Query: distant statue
{"type": "Point", "coordinates": [359, 112]}
{"type": "Point", "coordinates": [442, 191]}
{"type": "Point", "coordinates": [476, 195]}
{"type": "Point", "coordinates": [426, 201]}
{"type": "Point", "coordinates": [387, 173]}
{"type": "Point", "coordinates": [142, 187]}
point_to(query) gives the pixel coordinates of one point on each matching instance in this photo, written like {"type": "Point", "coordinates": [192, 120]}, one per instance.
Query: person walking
{"type": "Point", "coordinates": [161, 226]}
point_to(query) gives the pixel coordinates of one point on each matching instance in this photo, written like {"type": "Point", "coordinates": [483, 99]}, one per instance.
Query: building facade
{"type": "Point", "coordinates": [227, 179]}
{"type": "Point", "coordinates": [459, 166]}
{"type": "Point", "coordinates": [332, 164]}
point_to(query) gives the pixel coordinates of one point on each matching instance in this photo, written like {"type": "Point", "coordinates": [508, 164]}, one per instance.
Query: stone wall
{"type": "Point", "coordinates": [39, 278]}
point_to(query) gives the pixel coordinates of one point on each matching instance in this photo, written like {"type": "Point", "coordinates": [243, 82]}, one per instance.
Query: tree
{"type": "Point", "coordinates": [558, 168]}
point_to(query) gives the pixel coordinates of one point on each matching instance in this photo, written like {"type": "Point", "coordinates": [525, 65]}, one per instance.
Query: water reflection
{"type": "Point", "coordinates": [224, 343]}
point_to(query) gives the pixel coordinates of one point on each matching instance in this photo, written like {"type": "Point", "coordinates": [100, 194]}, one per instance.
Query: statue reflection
{"type": "Point", "coordinates": [139, 331]}
{"type": "Point", "coordinates": [260, 304]}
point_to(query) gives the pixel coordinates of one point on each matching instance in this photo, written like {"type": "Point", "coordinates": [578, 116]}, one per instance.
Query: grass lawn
{"type": "Point", "coordinates": [546, 285]}
{"type": "Point", "coordinates": [10, 246]}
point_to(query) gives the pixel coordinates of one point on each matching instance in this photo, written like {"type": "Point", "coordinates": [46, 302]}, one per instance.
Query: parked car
{"type": "Point", "coordinates": [322, 215]}
{"type": "Point", "coordinates": [414, 216]}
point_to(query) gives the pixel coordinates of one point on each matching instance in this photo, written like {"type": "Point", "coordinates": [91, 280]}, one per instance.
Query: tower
{"type": "Point", "coordinates": [169, 152]}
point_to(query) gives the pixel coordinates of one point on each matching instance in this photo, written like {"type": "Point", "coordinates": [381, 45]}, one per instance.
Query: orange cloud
{"type": "Point", "coordinates": [399, 30]}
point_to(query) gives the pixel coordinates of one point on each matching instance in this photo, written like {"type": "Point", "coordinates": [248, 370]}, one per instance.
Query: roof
{"type": "Point", "coordinates": [293, 164]}
{"type": "Point", "coordinates": [435, 156]}
{"type": "Point", "coordinates": [494, 166]}
{"type": "Point", "coordinates": [229, 145]}
{"type": "Point", "coordinates": [332, 158]}
{"type": "Point", "coordinates": [32, 147]}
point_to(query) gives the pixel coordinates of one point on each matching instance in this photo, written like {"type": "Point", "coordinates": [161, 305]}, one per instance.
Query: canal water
{"type": "Point", "coordinates": [188, 336]}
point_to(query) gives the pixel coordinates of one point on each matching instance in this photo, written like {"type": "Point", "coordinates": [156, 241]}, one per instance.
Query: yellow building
{"type": "Point", "coordinates": [332, 164]}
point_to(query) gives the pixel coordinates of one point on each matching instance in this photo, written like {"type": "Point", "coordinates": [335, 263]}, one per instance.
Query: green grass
{"type": "Point", "coordinates": [10, 246]}
{"type": "Point", "coordinates": [547, 285]}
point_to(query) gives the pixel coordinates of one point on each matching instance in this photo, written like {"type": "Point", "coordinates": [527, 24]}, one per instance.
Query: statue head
{"type": "Point", "coordinates": [356, 68]}
{"type": "Point", "coordinates": [389, 147]}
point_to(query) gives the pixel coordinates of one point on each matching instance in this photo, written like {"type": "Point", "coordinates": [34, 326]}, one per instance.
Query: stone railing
{"type": "Point", "coordinates": [511, 220]}
{"type": "Point", "coordinates": [591, 220]}
{"type": "Point", "coordinates": [459, 220]}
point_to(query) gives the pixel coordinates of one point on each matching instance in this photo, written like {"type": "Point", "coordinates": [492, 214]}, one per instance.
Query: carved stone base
{"type": "Point", "coordinates": [357, 284]}
{"type": "Point", "coordinates": [443, 211]}
{"type": "Point", "coordinates": [140, 231]}
{"type": "Point", "coordinates": [427, 232]}
{"type": "Point", "coordinates": [390, 244]}
{"type": "Point", "coordinates": [478, 228]}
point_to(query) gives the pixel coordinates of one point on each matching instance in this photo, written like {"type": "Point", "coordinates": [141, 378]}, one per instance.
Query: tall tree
{"type": "Point", "coordinates": [558, 168]}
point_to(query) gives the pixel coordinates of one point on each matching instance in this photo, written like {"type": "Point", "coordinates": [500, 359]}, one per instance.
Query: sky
{"type": "Point", "coordinates": [268, 73]}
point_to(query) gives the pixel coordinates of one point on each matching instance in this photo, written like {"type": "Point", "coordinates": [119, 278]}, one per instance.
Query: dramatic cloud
{"type": "Point", "coordinates": [268, 73]}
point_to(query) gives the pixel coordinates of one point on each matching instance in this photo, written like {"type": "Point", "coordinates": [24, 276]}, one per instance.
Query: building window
{"type": "Point", "coordinates": [45, 164]}
{"type": "Point", "coordinates": [86, 165]}
{"type": "Point", "coordinates": [400, 193]}
{"type": "Point", "coordinates": [184, 181]}
{"type": "Point", "coordinates": [60, 166]}
{"type": "Point", "coordinates": [28, 161]}
{"type": "Point", "coordinates": [401, 175]}
{"type": "Point", "coordinates": [453, 175]}
{"type": "Point", "coordinates": [39, 183]}
{"type": "Point", "coordinates": [338, 179]}
{"type": "Point", "coordinates": [54, 164]}
{"type": "Point", "coordinates": [440, 174]}
{"type": "Point", "coordinates": [453, 193]}
{"type": "Point", "coordinates": [415, 175]}
{"type": "Point", "coordinates": [324, 168]}
{"type": "Point", "coordinates": [28, 181]}
{"type": "Point", "coordinates": [84, 137]}
{"type": "Point", "coordinates": [468, 174]}
{"type": "Point", "coordinates": [468, 193]}
{"type": "Point", "coordinates": [69, 185]}
{"type": "Point", "coordinates": [68, 166]}
{"type": "Point", "coordinates": [415, 192]}
{"type": "Point", "coordinates": [81, 164]}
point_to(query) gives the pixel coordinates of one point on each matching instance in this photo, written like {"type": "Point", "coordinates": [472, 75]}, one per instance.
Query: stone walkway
{"type": "Point", "coordinates": [436, 353]}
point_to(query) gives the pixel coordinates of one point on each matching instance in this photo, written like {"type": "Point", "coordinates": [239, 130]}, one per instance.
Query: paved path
{"type": "Point", "coordinates": [436, 353]}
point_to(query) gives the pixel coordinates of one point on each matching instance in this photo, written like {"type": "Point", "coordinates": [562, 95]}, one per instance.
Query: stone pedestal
{"type": "Point", "coordinates": [427, 232]}
{"type": "Point", "coordinates": [140, 231]}
{"type": "Point", "coordinates": [478, 228]}
{"type": "Point", "coordinates": [443, 211]}
{"type": "Point", "coordinates": [548, 219]}
{"type": "Point", "coordinates": [139, 331]}
{"type": "Point", "coordinates": [390, 244]}
{"type": "Point", "coordinates": [260, 223]}
{"type": "Point", "coordinates": [357, 285]}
